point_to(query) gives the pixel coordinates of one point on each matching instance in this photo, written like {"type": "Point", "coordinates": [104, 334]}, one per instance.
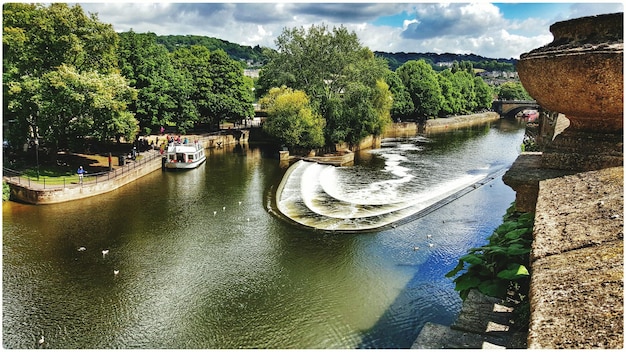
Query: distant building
{"type": "Point", "coordinates": [252, 73]}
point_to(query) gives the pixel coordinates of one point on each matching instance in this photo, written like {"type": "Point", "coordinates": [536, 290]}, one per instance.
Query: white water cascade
{"type": "Point", "coordinates": [349, 199]}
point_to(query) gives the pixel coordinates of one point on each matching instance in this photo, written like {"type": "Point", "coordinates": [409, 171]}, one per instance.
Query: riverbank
{"type": "Point", "coordinates": [438, 125]}
{"type": "Point", "coordinates": [29, 191]}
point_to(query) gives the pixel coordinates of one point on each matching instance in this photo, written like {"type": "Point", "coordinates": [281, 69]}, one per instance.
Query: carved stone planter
{"type": "Point", "coordinates": [580, 74]}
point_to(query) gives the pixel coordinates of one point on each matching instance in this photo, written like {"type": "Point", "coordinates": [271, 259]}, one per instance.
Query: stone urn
{"type": "Point", "coordinates": [580, 74]}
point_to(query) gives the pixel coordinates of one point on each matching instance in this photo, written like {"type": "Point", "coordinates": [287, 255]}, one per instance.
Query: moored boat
{"type": "Point", "coordinates": [184, 156]}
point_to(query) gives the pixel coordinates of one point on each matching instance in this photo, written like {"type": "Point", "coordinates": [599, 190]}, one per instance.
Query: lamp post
{"type": "Point", "coordinates": [37, 155]}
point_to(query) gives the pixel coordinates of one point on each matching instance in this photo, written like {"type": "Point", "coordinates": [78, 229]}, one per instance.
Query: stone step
{"type": "Point", "coordinates": [484, 323]}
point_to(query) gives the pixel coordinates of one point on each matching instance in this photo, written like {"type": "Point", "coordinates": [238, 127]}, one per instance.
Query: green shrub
{"type": "Point", "coordinates": [6, 191]}
{"type": "Point", "coordinates": [499, 268]}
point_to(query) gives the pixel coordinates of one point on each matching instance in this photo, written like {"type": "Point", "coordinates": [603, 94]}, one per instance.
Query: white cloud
{"type": "Point", "coordinates": [478, 27]}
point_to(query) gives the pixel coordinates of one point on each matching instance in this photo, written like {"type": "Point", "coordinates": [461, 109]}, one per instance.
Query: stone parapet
{"type": "Point", "coordinates": [577, 262]}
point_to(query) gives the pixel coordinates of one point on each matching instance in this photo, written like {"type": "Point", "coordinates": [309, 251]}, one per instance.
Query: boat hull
{"type": "Point", "coordinates": [184, 166]}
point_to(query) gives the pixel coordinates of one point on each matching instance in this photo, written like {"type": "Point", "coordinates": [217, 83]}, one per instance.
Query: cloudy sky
{"type": "Point", "coordinates": [494, 30]}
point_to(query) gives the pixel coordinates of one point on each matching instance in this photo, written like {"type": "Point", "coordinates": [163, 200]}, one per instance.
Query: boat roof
{"type": "Point", "coordinates": [183, 148]}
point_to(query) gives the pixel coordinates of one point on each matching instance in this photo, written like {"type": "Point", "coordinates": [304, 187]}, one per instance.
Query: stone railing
{"type": "Point", "coordinates": [575, 187]}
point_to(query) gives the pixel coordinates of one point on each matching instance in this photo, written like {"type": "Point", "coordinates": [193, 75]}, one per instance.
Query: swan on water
{"type": "Point", "coordinates": [105, 252]}
{"type": "Point", "coordinates": [115, 272]}
{"type": "Point", "coordinates": [429, 236]}
{"type": "Point", "coordinates": [430, 244]}
{"type": "Point", "coordinates": [82, 249]}
{"type": "Point", "coordinates": [214, 213]}
{"type": "Point", "coordinates": [416, 248]}
{"type": "Point", "coordinates": [41, 340]}
{"type": "Point", "coordinates": [223, 208]}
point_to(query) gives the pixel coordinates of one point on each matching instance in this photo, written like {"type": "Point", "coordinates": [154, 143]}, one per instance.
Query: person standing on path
{"type": "Point", "coordinates": [80, 173]}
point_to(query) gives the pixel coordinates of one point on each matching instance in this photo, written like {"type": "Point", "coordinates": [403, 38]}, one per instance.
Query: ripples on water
{"type": "Point", "coordinates": [191, 279]}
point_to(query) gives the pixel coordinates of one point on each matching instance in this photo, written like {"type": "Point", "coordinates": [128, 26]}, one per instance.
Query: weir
{"type": "Point", "coordinates": [351, 199]}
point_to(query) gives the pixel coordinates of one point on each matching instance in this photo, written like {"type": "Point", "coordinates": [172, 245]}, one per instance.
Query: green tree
{"type": "Point", "coordinates": [64, 105]}
{"type": "Point", "coordinates": [47, 44]}
{"type": "Point", "coordinates": [291, 119]}
{"type": "Point", "coordinates": [194, 65]}
{"type": "Point", "coordinates": [38, 38]}
{"type": "Point", "coordinates": [402, 106]}
{"type": "Point", "coordinates": [513, 91]}
{"type": "Point", "coordinates": [484, 94]}
{"type": "Point", "coordinates": [231, 92]}
{"type": "Point", "coordinates": [452, 99]}
{"type": "Point", "coordinates": [337, 73]}
{"type": "Point", "coordinates": [161, 88]}
{"type": "Point", "coordinates": [463, 81]}
{"type": "Point", "coordinates": [422, 84]}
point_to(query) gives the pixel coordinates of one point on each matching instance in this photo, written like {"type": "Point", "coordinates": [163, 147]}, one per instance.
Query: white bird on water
{"type": "Point", "coordinates": [430, 244]}
{"type": "Point", "coordinates": [82, 249]}
{"type": "Point", "coordinates": [416, 248]}
{"type": "Point", "coordinates": [105, 252]}
{"type": "Point", "coordinates": [115, 272]}
{"type": "Point", "coordinates": [214, 213]}
{"type": "Point", "coordinates": [239, 202]}
{"type": "Point", "coordinates": [223, 208]}
{"type": "Point", "coordinates": [41, 340]}
{"type": "Point", "coordinates": [429, 236]}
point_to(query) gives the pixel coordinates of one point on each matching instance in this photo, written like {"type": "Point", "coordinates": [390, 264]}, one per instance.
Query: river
{"type": "Point", "coordinates": [201, 259]}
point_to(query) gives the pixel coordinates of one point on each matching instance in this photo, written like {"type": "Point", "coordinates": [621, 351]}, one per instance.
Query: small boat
{"type": "Point", "coordinates": [184, 155]}
{"type": "Point", "coordinates": [530, 115]}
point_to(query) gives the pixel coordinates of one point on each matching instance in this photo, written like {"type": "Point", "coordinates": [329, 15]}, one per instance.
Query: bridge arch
{"type": "Point", "coordinates": [509, 108]}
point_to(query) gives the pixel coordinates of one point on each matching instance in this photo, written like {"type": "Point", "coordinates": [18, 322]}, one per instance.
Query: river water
{"type": "Point", "coordinates": [203, 259]}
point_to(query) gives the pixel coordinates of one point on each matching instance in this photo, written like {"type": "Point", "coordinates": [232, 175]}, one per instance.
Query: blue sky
{"type": "Point", "coordinates": [494, 30]}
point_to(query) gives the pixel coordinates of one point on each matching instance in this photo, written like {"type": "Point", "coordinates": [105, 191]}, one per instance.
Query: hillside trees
{"type": "Point", "coordinates": [53, 57]}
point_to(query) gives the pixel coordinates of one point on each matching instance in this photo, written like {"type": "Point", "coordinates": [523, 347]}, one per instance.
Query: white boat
{"type": "Point", "coordinates": [184, 156]}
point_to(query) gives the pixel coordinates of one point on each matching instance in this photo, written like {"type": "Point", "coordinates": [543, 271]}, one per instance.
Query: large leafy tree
{"type": "Point", "coordinates": [37, 39]}
{"type": "Point", "coordinates": [402, 106]}
{"type": "Point", "coordinates": [193, 63]}
{"type": "Point", "coordinates": [512, 91]}
{"type": "Point", "coordinates": [52, 55]}
{"type": "Point", "coordinates": [291, 118]}
{"type": "Point", "coordinates": [421, 81]}
{"type": "Point", "coordinates": [64, 104]}
{"type": "Point", "coordinates": [163, 92]}
{"type": "Point", "coordinates": [219, 89]}
{"type": "Point", "coordinates": [231, 92]}
{"type": "Point", "coordinates": [338, 74]}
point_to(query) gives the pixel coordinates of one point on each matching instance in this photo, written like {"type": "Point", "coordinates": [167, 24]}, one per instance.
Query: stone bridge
{"type": "Point", "coordinates": [509, 108]}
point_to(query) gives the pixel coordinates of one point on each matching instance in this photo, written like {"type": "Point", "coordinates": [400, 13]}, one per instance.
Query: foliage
{"type": "Point", "coordinates": [342, 79]}
{"type": "Point", "coordinates": [435, 60]}
{"type": "Point", "coordinates": [162, 90]}
{"type": "Point", "coordinates": [37, 39]}
{"type": "Point", "coordinates": [500, 267]}
{"type": "Point", "coordinates": [421, 82]}
{"type": "Point", "coordinates": [513, 91]}
{"type": "Point", "coordinates": [256, 55]}
{"type": "Point", "coordinates": [291, 118]}
{"type": "Point", "coordinates": [402, 104]}
{"type": "Point", "coordinates": [65, 104]}
{"type": "Point", "coordinates": [218, 88]}
{"type": "Point", "coordinates": [6, 191]}
{"type": "Point", "coordinates": [59, 76]}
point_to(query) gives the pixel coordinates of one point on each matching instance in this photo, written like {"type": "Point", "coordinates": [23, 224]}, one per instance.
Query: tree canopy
{"type": "Point", "coordinates": [292, 119]}
{"type": "Point", "coordinates": [341, 77]}
{"type": "Point", "coordinates": [59, 78]}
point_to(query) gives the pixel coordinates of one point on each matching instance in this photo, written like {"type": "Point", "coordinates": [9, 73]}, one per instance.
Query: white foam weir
{"type": "Point", "coordinates": [318, 196]}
